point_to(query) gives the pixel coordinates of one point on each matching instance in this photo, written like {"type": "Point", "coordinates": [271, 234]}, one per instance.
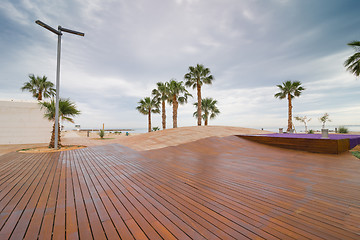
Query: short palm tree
{"type": "Point", "coordinates": [289, 90]}
{"type": "Point", "coordinates": [177, 94]}
{"type": "Point", "coordinates": [161, 95]}
{"type": "Point", "coordinates": [353, 62]}
{"type": "Point", "coordinates": [195, 78]}
{"type": "Point", "coordinates": [209, 109]}
{"type": "Point", "coordinates": [67, 110]}
{"type": "Point", "coordinates": [147, 106]}
{"type": "Point", "coordinates": [39, 87]}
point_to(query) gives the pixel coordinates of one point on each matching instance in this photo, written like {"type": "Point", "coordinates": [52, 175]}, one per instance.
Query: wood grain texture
{"type": "Point", "coordinates": [213, 188]}
{"type": "Point", "coordinates": [331, 146]}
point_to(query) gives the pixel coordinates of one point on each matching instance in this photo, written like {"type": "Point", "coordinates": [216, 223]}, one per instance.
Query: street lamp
{"type": "Point", "coordinates": [59, 33]}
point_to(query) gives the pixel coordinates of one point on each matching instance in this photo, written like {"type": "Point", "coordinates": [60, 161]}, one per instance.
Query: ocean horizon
{"type": "Point", "coordinates": [298, 128]}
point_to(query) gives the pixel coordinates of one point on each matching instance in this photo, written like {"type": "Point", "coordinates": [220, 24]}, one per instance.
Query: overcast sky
{"type": "Point", "coordinates": [250, 46]}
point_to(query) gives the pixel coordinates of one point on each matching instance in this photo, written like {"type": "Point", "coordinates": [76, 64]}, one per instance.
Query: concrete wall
{"type": "Point", "coordinates": [22, 122]}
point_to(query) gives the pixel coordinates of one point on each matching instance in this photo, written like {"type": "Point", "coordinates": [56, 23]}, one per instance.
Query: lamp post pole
{"type": "Point", "coordinates": [56, 144]}
{"type": "Point", "coordinates": [59, 33]}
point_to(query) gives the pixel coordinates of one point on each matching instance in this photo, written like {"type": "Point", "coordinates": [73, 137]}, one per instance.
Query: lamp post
{"type": "Point", "coordinates": [59, 33]}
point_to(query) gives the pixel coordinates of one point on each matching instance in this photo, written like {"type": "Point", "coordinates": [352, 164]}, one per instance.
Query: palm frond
{"type": "Point", "coordinates": [67, 109]}
{"type": "Point", "coordinates": [352, 64]}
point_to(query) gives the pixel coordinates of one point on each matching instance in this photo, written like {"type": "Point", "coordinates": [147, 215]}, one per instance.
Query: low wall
{"type": "Point", "coordinates": [315, 145]}
{"type": "Point", "coordinates": [22, 122]}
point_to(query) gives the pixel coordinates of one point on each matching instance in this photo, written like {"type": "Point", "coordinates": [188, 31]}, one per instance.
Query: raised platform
{"type": "Point", "coordinates": [335, 144]}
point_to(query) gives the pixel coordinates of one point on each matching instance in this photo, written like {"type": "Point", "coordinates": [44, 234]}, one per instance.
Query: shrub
{"type": "Point", "coordinates": [356, 153]}
{"type": "Point", "coordinates": [154, 129]}
{"type": "Point", "coordinates": [343, 129]}
{"type": "Point", "coordinates": [102, 133]}
{"type": "Point", "coordinates": [311, 131]}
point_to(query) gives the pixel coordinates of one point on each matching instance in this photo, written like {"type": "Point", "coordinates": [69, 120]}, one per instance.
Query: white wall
{"type": "Point", "coordinates": [22, 122]}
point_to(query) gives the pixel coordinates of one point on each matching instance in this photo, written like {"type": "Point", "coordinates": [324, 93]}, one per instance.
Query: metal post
{"type": "Point", "coordinates": [57, 91]}
{"type": "Point", "coordinates": [59, 33]}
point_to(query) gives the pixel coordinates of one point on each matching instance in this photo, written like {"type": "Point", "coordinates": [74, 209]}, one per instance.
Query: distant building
{"type": "Point", "coordinates": [23, 122]}
{"type": "Point", "coordinates": [77, 127]}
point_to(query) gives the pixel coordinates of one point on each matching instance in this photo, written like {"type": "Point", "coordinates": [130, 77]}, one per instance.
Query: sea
{"type": "Point", "coordinates": [298, 128]}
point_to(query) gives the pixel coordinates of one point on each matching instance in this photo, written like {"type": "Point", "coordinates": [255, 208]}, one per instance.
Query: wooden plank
{"type": "Point", "coordinates": [25, 219]}
{"type": "Point", "coordinates": [46, 228]}
{"type": "Point", "coordinates": [17, 206]}
{"type": "Point", "coordinates": [103, 191]}
{"type": "Point", "coordinates": [60, 207]}
{"type": "Point", "coordinates": [156, 213]}
{"type": "Point", "coordinates": [81, 214]}
{"type": "Point", "coordinates": [71, 219]}
{"type": "Point", "coordinates": [216, 188]}
{"type": "Point", "coordinates": [36, 220]}
{"type": "Point", "coordinates": [140, 217]}
{"type": "Point", "coordinates": [331, 146]}
{"type": "Point", "coordinates": [95, 223]}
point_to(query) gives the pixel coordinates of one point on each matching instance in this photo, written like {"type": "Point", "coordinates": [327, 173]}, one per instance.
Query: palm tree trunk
{"type": "Point", "coordinates": [149, 129]}
{"type": "Point", "coordinates": [175, 107]}
{"type": "Point", "coordinates": [52, 140]}
{"type": "Point", "coordinates": [206, 121]}
{"type": "Point", "coordinates": [290, 114]}
{"type": "Point", "coordinates": [40, 96]}
{"type": "Point", "coordinates": [199, 103]}
{"type": "Point", "coordinates": [163, 115]}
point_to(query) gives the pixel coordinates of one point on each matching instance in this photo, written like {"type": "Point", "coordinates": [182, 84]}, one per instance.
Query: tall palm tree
{"type": "Point", "coordinates": [208, 106]}
{"type": "Point", "coordinates": [39, 87]}
{"type": "Point", "coordinates": [195, 78]}
{"type": "Point", "coordinates": [353, 62]}
{"type": "Point", "coordinates": [161, 95]}
{"type": "Point", "coordinates": [147, 106]}
{"type": "Point", "coordinates": [67, 110]}
{"type": "Point", "coordinates": [289, 90]}
{"type": "Point", "coordinates": [177, 94]}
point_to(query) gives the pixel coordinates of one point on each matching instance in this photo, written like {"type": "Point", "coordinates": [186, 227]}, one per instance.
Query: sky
{"type": "Point", "coordinates": [250, 46]}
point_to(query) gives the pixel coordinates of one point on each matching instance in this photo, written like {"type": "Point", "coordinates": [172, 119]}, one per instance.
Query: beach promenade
{"type": "Point", "coordinates": [186, 183]}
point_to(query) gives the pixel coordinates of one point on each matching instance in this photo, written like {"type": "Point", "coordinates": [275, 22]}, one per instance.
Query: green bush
{"type": "Point", "coordinates": [154, 129]}
{"type": "Point", "coordinates": [343, 129]}
{"type": "Point", "coordinates": [102, 133]}
{"type": "Point", "coordinates": [356, 154]}
{"type": "Point", "coordinates": [311, 131]}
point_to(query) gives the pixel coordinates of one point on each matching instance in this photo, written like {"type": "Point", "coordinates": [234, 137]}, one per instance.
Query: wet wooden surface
{"type": "Point", "coordinates": [214, 188]}
{"type": "Point", "coordinates": [329, 146]}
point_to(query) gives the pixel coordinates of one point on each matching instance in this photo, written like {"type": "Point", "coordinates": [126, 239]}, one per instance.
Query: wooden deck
{"type": "Point", "coordinates": [215, 188]}
{"type": "Point", "coordinates": [329, 146]}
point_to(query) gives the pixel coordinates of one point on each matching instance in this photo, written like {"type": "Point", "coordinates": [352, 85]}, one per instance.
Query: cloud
{"type": "Point", "coordinates": [13, 13]}
{"type": "Point", "coordinates": [250, 46]}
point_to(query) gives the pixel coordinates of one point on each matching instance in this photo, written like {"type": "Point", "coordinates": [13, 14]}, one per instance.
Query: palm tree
{"type": "Point", "coordinates": [161, 95]}
{"type": "Point", "coordinates": [289, 90]}
{"type": "Point", "coordinates": [208, 106]}
{"type": "Point", "coordinates": [147, 106]}
{"type": "Point", "coordinates": [177, 94]}
{"type": "Point", "coordinates": [67, 110]}
{"type": "Point", "coordinates": [195, 78]}
{"type": "Point", "coordinates": [39, 87]}
{"type": "Point", "coordinates": [353, 62]}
